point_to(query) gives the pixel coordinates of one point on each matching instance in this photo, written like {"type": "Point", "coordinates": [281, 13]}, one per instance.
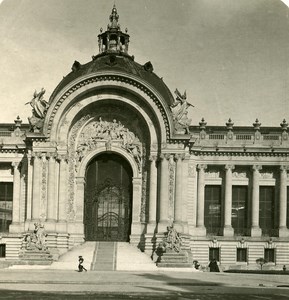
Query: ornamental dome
{"type": "Point", "coordinates": [113, 58]}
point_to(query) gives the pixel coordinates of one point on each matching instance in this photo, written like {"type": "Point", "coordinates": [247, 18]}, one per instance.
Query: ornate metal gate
{"type": "Point", "coordinates": [107, 212]}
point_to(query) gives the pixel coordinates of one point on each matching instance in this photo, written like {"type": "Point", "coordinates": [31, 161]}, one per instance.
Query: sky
{"type": "Point", "coordinates": [231, 56]}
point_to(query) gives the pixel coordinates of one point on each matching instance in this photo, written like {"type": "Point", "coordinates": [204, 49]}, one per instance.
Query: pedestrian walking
{"type": "Point", "coordinates": [80, 266]}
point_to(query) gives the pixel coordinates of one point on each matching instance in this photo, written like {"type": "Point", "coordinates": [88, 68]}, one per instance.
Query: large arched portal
{"type": "Point", "coordinates": [108, 199]}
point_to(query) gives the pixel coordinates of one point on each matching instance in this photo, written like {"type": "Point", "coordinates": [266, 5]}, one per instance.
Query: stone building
{"type": "Point", "coordinates": [112, 156]}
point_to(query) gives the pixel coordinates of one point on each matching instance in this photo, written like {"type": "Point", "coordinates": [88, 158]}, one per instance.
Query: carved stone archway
{"type": "Point", "coordinates": [137, 205]}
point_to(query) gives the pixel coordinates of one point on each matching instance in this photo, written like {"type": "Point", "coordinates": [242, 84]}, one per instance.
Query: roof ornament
{"type": "Point", "coordinates": [113, 39]}
{"type": "Point", "coordinates": [113, 19]}
{"type": "Point", "coordinates": [39, 109]}
{"type": "Point", "coordinates": [180, 113]}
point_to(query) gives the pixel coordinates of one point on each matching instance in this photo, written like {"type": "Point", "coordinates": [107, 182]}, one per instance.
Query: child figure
{"type": "Point", "coordinates": [80, 266]}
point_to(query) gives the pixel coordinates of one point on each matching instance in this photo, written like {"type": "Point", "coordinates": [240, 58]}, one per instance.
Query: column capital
{"type": "Point", "coordinates": [202, 167]}
{"type": "Point", "coordinates": [256, 167]}
{"type": "Point", "coordinates": [229, 167]}
{"type": "Point", "coordinates": [153, 158]}
{"type": "Point", "coordinates": [179, 156]}
{"type": "Point", "coordinates": [51, 155]}
{"type": "Point", "coordinates": [165, 156]}
{"type": "Point", "coordinates": [36, 154]}
{"type": "Point", "coordinates": [15, 164]}
{"type": "Point", "coordinates": [284, 168]}
{"type": "Point", "coordinates": [62, 157]}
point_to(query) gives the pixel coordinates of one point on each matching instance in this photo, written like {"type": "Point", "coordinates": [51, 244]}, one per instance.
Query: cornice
{"type": "Point", "coordinates": [239, 153]}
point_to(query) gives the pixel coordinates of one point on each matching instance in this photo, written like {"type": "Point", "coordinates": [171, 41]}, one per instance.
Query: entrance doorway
{"type": "Point", "coordinates": [107, 199]}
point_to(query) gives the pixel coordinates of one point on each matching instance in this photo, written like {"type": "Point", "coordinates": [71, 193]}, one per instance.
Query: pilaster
{"type": "Point", "coordinates": [164, 194]}
{"type": "Point", "coordinates": [151, 226]}
{"type": "Point", "coordinates": [178, 204]}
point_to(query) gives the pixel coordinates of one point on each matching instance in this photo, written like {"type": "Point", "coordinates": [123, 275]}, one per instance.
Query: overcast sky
{"type": "Point", "coordinates": [231, 56]}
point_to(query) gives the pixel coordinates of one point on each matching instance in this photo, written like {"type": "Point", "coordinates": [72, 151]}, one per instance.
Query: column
{"type": "Point", "coordinates": [201, 230]}
{"type": "Point", "coordinates": [51, 199]}
{"type": "Point", "coordinates": [29, 187]}
{"type": "Point", "coordinates": [36, 196]}
{"type": "Point", "coordinates": [62, 190]}
{"type": "Point", "coordinates": [164, 194]}
{"type": "Point", "coordinates": [283, 231]}
{"type": "Point", "coordinates": [152, 195]}
{"type": "Point", "coordinates": [255, 229]}
{"type": "Point", "coordinates": [228, 230]}
{"type": "Point", "coordinates": [178, 193]}
{"type": "Point", "coordinates": [16, 197]}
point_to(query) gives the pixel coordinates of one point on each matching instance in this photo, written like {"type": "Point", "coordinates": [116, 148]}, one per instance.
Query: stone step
{"type": "Point", "coordinates": [174, 265]}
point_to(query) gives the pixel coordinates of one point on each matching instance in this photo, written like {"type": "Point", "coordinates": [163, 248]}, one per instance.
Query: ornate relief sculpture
{"type": "Point", "coordinates": [104, 130]}
{"type": "Point", "coordinates": [39, 109]}
{"type": "Point", "coordinates": [180, 113]}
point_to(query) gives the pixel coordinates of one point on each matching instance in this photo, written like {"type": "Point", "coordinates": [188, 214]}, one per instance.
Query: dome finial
{"type": "Point", "coordinates": [113, 19]}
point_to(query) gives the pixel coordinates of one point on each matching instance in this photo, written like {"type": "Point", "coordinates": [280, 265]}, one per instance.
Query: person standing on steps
{"type": "Point", "coordinates": [213, 266]}
{"type": "Point", "coordinates": [80, 266]}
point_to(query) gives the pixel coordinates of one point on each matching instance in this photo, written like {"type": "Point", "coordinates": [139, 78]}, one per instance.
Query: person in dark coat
{"type": "Point", "coordinates": [213, 265]}
{"type": "Point", "coordinates": [80, 266]}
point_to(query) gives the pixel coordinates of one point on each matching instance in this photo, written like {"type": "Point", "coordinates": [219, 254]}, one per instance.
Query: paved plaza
{"type": "Point", "coordinates": [69, 284]}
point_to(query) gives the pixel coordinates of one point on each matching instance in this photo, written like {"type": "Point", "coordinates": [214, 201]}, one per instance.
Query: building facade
{"type": "Point", "coordinates": [112, 157]}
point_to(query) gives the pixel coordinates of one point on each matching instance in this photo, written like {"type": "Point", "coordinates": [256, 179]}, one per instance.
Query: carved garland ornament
{"type": "Point", "coordinates": [112, 78]}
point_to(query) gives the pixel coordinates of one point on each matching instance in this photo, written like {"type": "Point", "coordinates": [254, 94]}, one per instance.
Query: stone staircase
{"type": "Point", "coordinates": [101, 256]}
{"type": "Point", "coordinates": [104, 256]}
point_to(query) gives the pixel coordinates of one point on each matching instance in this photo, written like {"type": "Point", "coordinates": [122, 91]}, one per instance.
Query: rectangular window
{"type": "Point", "coordinates": [213, 209]}
{"type": "Point", "coordinates": [2, 250]}
{"type": "Point", "coordinates": [6, 198]}
{"type": "Point", "coordinates": [239, 209]}
{"type": "Point", "coordinates": [269, 255]}
{"type": "Point", "coordinates": [241, 254]}
{"type": "Point", "coordinates": [214, 253]}
{"type": "Point", "coordinates": [267, 210]}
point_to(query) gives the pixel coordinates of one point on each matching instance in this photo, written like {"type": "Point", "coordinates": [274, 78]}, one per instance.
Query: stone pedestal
{"type": "Point", "coordinates": [174, 260]}
{"type": "Point", "coordinates": [35, 257]}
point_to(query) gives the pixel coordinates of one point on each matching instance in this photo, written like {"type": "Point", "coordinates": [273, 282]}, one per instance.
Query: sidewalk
{"type": "Point", "coordinates": [140, 282]}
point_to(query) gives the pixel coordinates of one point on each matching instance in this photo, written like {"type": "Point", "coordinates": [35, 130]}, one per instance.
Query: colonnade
{"type": "Point", "coordinates": [159, 189]}
{"type": "Point", "coordinates": [255, 228]}
{"type": "Point", "coordinates": [52, 193]}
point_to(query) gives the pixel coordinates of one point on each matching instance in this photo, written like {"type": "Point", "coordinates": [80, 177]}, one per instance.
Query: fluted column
{"type": "Point", "coordinates": [283, 231]}
{"type": "Point", "coordinates": [164, 195]}
{"type": "Point", "coordinates": [178, 192]}
{"type": "Point", "coordinates": [255, 229]}
{"type": "Point", "coordinates": [51, 196]}
{"type": "Point", "coordinates": [228, 230]}
{"type": "Point", "coordinates": [36, 195]}
{"type": "Point", "coordinates": [16, 194]}
{"type": "Point", "coordinates": [152, 195]}
{"type": "Point", "coordinates": [62, 190]}
{"type": "Point", "coordinates": [201, 230]}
